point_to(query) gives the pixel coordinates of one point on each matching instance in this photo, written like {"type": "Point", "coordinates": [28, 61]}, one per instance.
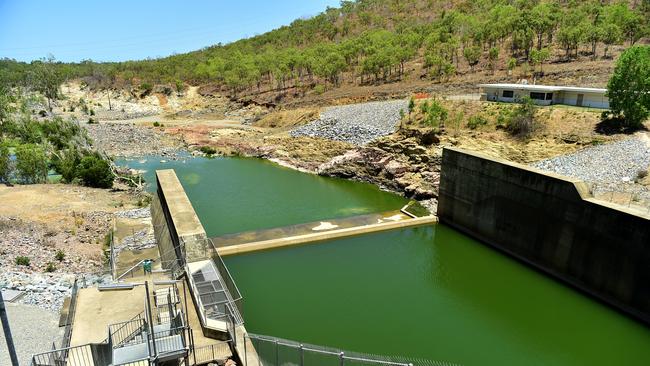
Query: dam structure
{"type": "Point", "coordinates": [182, 307]}
{"type": "Point", "coordinates": [185, 307]}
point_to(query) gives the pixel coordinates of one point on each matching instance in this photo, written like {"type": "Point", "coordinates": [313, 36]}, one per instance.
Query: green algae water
{"type": "Point", "coordinates": [432, 293]}
{"type": "Point", "coordinates": [231, 195]}
{"type": "Point", "coordinates": [427, 292]}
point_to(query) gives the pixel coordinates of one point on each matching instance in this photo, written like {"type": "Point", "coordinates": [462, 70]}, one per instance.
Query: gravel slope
{"type": "Point", "coordinates": [356, 123]}
{"type": "Point", "coordinates": [610, 163]}
{"type": "Point", "coordinates": [33, 330]}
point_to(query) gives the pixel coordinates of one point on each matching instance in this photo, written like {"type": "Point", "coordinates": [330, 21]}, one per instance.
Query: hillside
{"type": "Point", "coordinates": [399, 45]}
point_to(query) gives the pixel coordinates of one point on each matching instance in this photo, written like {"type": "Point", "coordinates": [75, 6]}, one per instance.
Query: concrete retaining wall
{"type": "Point", "coordinates": [552, 223]}
{"type": "Point", "coordinates": [182, 225]}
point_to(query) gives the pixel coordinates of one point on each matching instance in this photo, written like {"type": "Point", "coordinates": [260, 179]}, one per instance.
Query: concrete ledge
{"type": "Point", "coordinates": [317, 237]}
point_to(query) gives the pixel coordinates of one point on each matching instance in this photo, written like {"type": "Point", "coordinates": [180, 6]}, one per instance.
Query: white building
{"type": "Point", "coordinates": [546, 94]}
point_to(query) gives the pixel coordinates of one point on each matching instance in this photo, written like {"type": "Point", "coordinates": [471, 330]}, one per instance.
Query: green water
{"type": "Point", "coordinates": [231, 195]}
{"type": "Point", "coordinates": [425, 292]}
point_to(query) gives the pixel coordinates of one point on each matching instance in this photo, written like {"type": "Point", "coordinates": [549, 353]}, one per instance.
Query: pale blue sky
{"type": "Point", "coordinates": [117, 30]}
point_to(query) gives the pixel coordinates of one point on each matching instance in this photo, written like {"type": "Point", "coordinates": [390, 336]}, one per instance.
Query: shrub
{"type": "Point", "coordinates": [435, 113]}
{"type": "Point", "coordinates": [95, 172]}
{"type": "Point", "coordinates": [476, 121]}
{"type": "Point", "coordinates": [522, 119]}
{"type": "Point", "coordinates": [319, 89]}
{"type": "Point", "coordinates": [31, 163]}
{"type": "Point", "coordinates": [144, 201]}
{"type": "Point", "coordinates": [91, 121]}
{"type": "Point", "coordinates": [50, 267]}
{"type": "Point", "coordinates": [92, 112]}
{"type": "Point", "coordinates": [66, 164]}
{"type": "Point", "coordinates": [179, 86]}
{"type": "Point", "coordinates": [4, 162]}
{"type": "Point", "coordinates": [146, 88]}
{"type": "Point", "coordinates": [59, 255]}
{"type": "Point", "coordinates": [156, 124]}
{"type": "Point", "coordinates": [208, 150]}
{"type": "Point", "coordinates": [21, 260]}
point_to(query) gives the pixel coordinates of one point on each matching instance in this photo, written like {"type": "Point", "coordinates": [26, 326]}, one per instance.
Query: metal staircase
{"type": "Point", "coordinates": [158, 334]}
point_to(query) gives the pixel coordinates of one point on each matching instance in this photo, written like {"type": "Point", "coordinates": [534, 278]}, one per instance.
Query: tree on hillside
{"type": "Point", "coordinates": [493, 57]}
{"type": "Point", "coordinates": [611, 34]}
{"type": "Point", "coordinates": [538, 57]}
{"type": "Point", "coordinates": [472, 54]}
{"type": "Point", "coordinates": [46, 79]}
{"type": "Point", "coordinates": [628, 89]}
{"type": "Point", "coordinates": [543, 18]}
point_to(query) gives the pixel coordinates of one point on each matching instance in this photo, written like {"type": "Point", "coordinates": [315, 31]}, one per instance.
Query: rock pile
{"type": "Point", "coordinates": [122, 139]}
{"type": "Point", "coordinates": [142, 239]}
{"type": "Point", "coordinates": [136, 213]}
{"type": "Point", "coordinates": [614, 163]}
{"type": "Point", "coordinates": [357, 124]}
{"type": "Point", "coordinates": [46, 290]}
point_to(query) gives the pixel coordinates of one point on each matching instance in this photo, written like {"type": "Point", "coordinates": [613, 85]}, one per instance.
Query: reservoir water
{"type": "Point", "coordinates": [426, 292]}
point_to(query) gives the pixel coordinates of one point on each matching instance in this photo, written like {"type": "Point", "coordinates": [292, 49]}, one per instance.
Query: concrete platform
{"type": "Point", "coordinates": [96, 310]}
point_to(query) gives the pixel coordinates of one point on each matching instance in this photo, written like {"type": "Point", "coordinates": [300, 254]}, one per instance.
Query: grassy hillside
{"type": "Point", "coordinates": [372, 42]}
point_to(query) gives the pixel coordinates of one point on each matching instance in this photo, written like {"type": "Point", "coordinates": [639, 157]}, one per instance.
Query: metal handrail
{"type": "Point", "coordinates": [206, 354]}
{"type": "Point", "coordinates": [72, 308]}
{"type": "Point", "coordinates": [130, 270]}
{"type": "Point", "coordinates": [127, 331]}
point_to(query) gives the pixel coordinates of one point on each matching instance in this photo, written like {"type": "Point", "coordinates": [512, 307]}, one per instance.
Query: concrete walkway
{"type": "Point", "coordinates": [313, 237]}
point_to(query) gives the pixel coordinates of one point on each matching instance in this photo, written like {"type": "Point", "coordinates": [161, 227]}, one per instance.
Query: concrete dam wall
{"type": "Point", "coordinates": [553, 223]}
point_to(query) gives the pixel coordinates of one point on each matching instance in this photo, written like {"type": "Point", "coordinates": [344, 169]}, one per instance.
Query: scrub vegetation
{"type": "Point", "coordinates": [371, 41]}
{"type": "Point", "coordinates": [31, 146]}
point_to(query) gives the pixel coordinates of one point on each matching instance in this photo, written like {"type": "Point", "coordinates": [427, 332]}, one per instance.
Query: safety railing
{"type": "Point", "coordinates": [68, 356]}
{"type": "Point", "coordinates": [130, 271]}
{"type": "Point", "coordinates": [227, 280]}
{"type": "Point", "coordinates": [113, 257]}
{"type": "Point", "coordinates": [272, 351]}
{"type": "Point", "coordinates": [169, 341]}
{"type": "Point", "coordinates": [120, 334]}
{"type": "Point", "coordinates": [217, 352]}
{"type": "Point", "coordinates": [72, 308]}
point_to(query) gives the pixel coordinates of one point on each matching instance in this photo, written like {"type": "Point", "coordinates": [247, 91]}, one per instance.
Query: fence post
{"type": "Point", "coordinates": [277, 354]}
{"type": "Point", "coordinates": [302, 355]}
{"type": "Point", "coordinates": [193, 346]}
{"type": "Point", "coordinates": [341, 359]}
{"type": "Point", "coordinates": [150, 320]}
{"type": "Point", "coordinates": [7, 332]}
{"type": "Point", "coordinates": [245, 352]}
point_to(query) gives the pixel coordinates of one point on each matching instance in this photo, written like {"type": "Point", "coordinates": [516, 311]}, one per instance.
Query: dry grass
{"type": "Point", "coordinates": [560, 130]}
{"type": "Point", "coordinates": [288, 118]}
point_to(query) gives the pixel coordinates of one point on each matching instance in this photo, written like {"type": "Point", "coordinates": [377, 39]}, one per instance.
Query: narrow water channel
{"type": "Point", "coordinates": [427, 292]}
